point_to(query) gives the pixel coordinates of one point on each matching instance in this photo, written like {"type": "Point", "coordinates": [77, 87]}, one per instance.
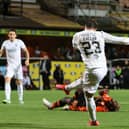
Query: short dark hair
{"type": "Point", "coordinates": [91, 23]}
{"type": "Point", "coordinates": [12, 29]}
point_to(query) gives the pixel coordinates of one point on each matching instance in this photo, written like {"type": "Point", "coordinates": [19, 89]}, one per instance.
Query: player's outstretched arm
{"type": "Point", "coordinates": [115, 39]}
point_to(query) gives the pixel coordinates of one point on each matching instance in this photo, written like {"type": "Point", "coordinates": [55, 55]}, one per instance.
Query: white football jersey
{"type": "Point", "coordinates": [13, 51]}
{"type": "Point", "coordinates": [91, 45]}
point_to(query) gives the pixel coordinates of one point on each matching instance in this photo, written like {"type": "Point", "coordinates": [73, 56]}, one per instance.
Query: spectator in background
{"type": "Point", "coordinates": [118, 77]}
{"type": "Point", "coordinates": [26, 81]}
{"type": "Point", "coordinates": [25, 69]}
{"type": "Point", "coordinates": [37, 52]}
{"type": "Point", "coordinates": [58, 75]}
{"type": "Point", "coordinates": [59, 55]}
{"type": "Point", "coordinates": [126, 75]}
{"type": "Point", "coordinates": [31, 50]}
{"type": "Point", "coordinates": [122, 53]}
{"type": "Point", "coordinates": [73, 54]}
{"type": "Point", "coordinates": [124, 4]}
{"type": "Point", "coordinates": [2, 82]}
{"type": "Point", "coordinates": [45, 67]}
{"type": "Point", "coordinates": [114, 53]}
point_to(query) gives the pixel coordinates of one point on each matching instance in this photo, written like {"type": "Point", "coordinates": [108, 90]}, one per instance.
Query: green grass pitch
{"type": "Point", "coordinates": [33, 115]}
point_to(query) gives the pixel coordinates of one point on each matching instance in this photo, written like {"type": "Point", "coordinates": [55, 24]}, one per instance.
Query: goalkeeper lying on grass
{"type": "Point", "coordinates": [104, 103]}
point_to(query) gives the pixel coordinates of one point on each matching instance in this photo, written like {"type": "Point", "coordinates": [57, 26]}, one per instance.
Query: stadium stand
{"type": "Point", "coordinates": [39, 21]}
{"type": "Point", "coordinates": [49, 20]}
{"type": "Point", "coordinates": [80, 10]}
{"type": "Point", "coordinates": [15, 16]}
{"type": "Point", "coordinates": [110, 14]}
{"type": "Point", "coordinates": [21, 16]}
{"type": "Point", "coordinates": [121, 19]}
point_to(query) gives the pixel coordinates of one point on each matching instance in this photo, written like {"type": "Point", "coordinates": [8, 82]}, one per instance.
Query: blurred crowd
{"type": "Point", "coordinates": [116, 52]}
{"type": "Point", "coordinates": [121, 76]}
{"type": "Point", "coordinates": [61, 53]}
{"type": "Point", "coordinates": [124, 3]}
{"type": "Point", "coordinates": [117, 78]}
{"type": "Point", "coordinates": [70, 54]}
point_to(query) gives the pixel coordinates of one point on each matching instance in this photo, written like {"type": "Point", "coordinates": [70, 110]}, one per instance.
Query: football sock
{"type": "Point", "coordinates": [7, 91]}
{"type": "Point", "coordinates": [74, 84]}
{"type": "Point", "coordinates": [56, 104]}
{"type": "Point", "coordinates": [20, 92]}
{"type": "Point", "coordinates": [91, 108]}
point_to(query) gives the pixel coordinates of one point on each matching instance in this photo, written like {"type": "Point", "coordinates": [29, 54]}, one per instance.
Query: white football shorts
{"type": "Point", "coordinates": [92, 78]}
{"type": "Point", "coordinates": [15, 72]}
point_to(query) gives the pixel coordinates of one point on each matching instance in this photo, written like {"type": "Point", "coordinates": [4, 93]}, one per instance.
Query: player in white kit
{"type": "Point", "coordinates": [91, 44]}
{"type": "Point", "coordinates": [12, 48]}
